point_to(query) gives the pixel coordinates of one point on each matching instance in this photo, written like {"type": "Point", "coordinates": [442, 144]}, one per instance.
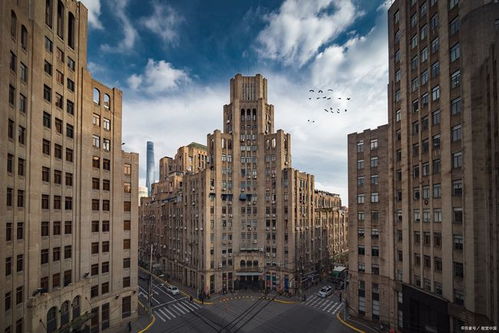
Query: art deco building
{"type": "Point", "coordinates": [234, 213]}
{"type": "Point", "coordinates": [443, 164]}
{"type": "Point", "coordinates": [68, 193]}
{"type": "Point", "coordinates": [371, 290]}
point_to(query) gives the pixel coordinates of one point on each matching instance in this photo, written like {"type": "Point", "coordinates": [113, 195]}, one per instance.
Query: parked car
{"type": "Point", "coordinates": [325, 291]}
{"type": "Point", "coordinates": [172, 290]}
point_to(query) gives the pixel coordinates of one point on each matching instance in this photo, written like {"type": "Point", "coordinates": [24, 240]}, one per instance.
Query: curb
{"type": "Point", "coordinates": [153, 320]}
{"type": "Point", "coordinates": [348, 325]}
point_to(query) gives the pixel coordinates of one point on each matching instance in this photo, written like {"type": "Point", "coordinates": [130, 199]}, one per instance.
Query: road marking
{"type": "Point", "coordinates": [180, 310]}
{"type": "Point", "coordinates": [182, 306]}
{"type": "Point", "coordinates": [337, 308]}
{"type": "Point", "coordinates": [189, 306]}
{"type": "Point", "coordinates": [329, 306]}
{"type": "Point", "coordinates": [316, 301]}
{"type": "Point", "coordinates": [310, 299]}
{"type": "Point", "coordinates": [163, 313]}
{"type": "Point", "coordinates": [170, 312]}
{"type": "Point", "coordinates": [160, 317]}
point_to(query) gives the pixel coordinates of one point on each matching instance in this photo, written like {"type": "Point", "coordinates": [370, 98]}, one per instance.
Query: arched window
{"type": "Point", "coordinates": [65, 313]}
{"type": "Point", "coordinates": [242, 114]}
{"type": "Point", "coordinates": [255, 263]}
{"type": "Point", "coordinates": [71, 30]}
{"type": "Point", "coordinates": [48, 13]}
{"type": "Point", "coordinates": [248, 263]}
{"type": "Point", "coordinates": [107, 101]}
{"type": "Point", "coordinates": [76, 307]}
{"type": "Point", "coordinates": [60, 19]}
{"type": "Point", "coordinates": [243, 263]}
{"type": "Point", "coordinates": [24, 37]}
{"type": "Point", "coordinates": [273, 143]}
{"type": "Point", "coordinates": [13, 24]}
{"type": "Point", "coordinates": [96, 96]}
{"type": "Point", "coordinates": [52, 320]}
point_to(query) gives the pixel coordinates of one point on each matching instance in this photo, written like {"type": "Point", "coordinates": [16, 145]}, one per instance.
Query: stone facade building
{"type": "Point", "coordinates": [443, 166]}
{"type": "Point", "coordinates": [234, 213]}
{"type": "Point", "coordinates": [68, 196]}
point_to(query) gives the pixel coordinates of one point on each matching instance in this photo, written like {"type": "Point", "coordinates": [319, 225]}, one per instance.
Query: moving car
{"type": "Point", "coordinates": [325, 291]}
{"type": "Point", "coordinates": [172, 290]}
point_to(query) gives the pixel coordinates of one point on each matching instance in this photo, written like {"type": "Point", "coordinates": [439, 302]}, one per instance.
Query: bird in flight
{"type": "Point", "coordinates": [311, 90]}
{"type": "Point", "coordinates": [330, 90]}
{"type": "Point", "coordinates": [348, 98]}
{"type": "Point", "coordinates": [320, 92]}
{"type": "Point", "coordinates": [326, 110]}
{"type": "Point", "coordinates": [339, 97]}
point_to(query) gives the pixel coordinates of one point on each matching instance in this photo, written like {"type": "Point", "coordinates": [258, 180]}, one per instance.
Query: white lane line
{"type": "Point", "coordinates": [329, 306]}
{"type": "Point", "coordinates": [178, 309]}
{"type": "Point", "coordinates": [164, 313]}
{"type": "Point", "coordinates": [154, 299]}
{"type": "Point", "coordinates": [319, 304]}
{"type": "Point", "coordinates": [170, 312]}
{"type": "Point", "coordinates": [196, 306]}
{"type": "Point", "coordinates": [189, 306]}
{"type": "Point", "coordinates": [143, 290]}
{"type": "Point", "coordinates": [315, 301]}
{"type": "Point", "coordinates": [337, 308]}
{"type": "Point", "coordinates": [160, 317]}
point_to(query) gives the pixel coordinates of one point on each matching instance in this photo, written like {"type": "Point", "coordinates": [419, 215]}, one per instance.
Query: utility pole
{"type": "Point", "coordinates": [150, 282]}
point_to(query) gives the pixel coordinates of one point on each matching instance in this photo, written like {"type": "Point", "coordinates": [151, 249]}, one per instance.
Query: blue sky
{"type": "Point", "coordinates": [174, 59]}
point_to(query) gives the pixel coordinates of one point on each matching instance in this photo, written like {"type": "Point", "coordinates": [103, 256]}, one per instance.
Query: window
{"type": "Point", "coordinates": [48, 13]}
{"type": "Point", "coordinates": [95, 247]}
{"type": "Point", "coordinates": [10, 163]}
{"type": "Point", "coordinates": [425, 77]}
{"type": "Point", "coordinates": [458, 269]}
{"type": "Point", "coordinates": [423, 32]}
{"type": "Point", "coordinates": [436, 191]}
{"type": "Point", "coordinates": [71, 85]}
{"type": "Point", "coordinates": [69, 131]}
{"type": "Point", "coordinates": [424, 54]}
{"type": "Point", "coordinates": [106, 144]}
{"type": "Point", "coordinates": [360, 146]}
{"type": "Point", "coordinates": [416, 193]}
{"type": "Point", "coordinates": [361, 250]}
{"type": "Point", "coordinates": [60, 19]}
{"type": "Point", "coordinates": [95, 183]}
{"type": "Point", "coordinates": [457, 188]}
{"type": "Point", "coordinates": [70, 107]}
{"type": "Point", "coordinates": [94, 291]}
{"type": "Point", "coordinates": [45, 229]}
{"type": "Point", "coordinates": [106, 124]}
{"type": "Point", "coordinates": [435, 93]}
{"type": "Point", "coordinates": [20, 295]}
{"type": "Point", "coordinates": [397, 96]}
{"type": "Point", "coordinates": [107, 101]}
{"type": "Point", "coordinates": [58, 151]}
{"type": "Point", "coordinates": [44, 256]}
{"type": "Point", "coordinates": [456, 106]}
{"type": "Point", "coordinates": [374, 162]}
{"type": "Point", "coordinates": [127, 225]}
{"type": "Point", "coordinates": [96, 162]}
{"type": "Point", "coordinates": [106, 164]}
{"type": "Point", "coordinates": [58, 125]}
{"type": "Point", "coordinates": [69, 155]}
{"type": "Point", "coordinates": [13, 25]}
{"type": "Point", "coordinates": [435, 69]}
{"type": "Point", "coordinates": [415, 128]}
{"type": "Point", "coordinates": [126, 281]}
{"type": "Point", "coordinates": [126, 307]}
{"type": "Point", "coordinates": [455, 52]}
{"type": "Point", "coordinates": [414, 84]}
{"type": "Point", "coordinates": [96, 96]}
{"type": "Point", "coordinates": [96, 141]}
{"type": "Point", "coordinates": [424, 100]}
{"type": "Point", "coordinates": [374, 197]}
{"type": "Point", "coordinates": [20, 166]}
{"type": "Point", "coordinates": [458, 241]}
{"type": "Point", "coordinates": [360, 198]}
{"type": "Point", "coordinates": [414, 41]}
{"type": "Point", "coordinates": [96, 119]}
{"type": "Point", "coordinates": [126, 262]}
{"type": "Point", "coordinates": [8, 302]}
{"type": "Point", "coordinates": [360, 164]}
{"type": "Point", "coordinates": [434, 22]}
{"type": "Point", "coordinates": [457, 160]}
{"type": "Point", "coordinates": [10, 129]}
{"type": "Point", "coordinates": [397, 56]}
{"type": "Point", "coordinates": [374, 179]}
{"type": "Point", "coordinates": [436, 117]}
{"type": "Point", "coordinates": [398, 76]}
{"type": "Point", "coordinates": [57, 202]}
{"type": "Point", "coordinates": [23, 104]}
{"type": "Point", "coordinates": [456, 133]}
{"type": "Point", "coordinates": [56, 228]}
{"type": "Point", "coordinates": [455, 79]}
{"type": "Point", "coordinates": [47, 93]}
{"type": "Point", "coordinates": [436, 141]}
{"type": "Point", "coordinates": [56, 254]}
{"type": "Point", "coordinates": [105, 226]}
{"type": "Point", "coordinates": [20, 263]}
{"type": "Point", "coordinates": [59, 101]}
{"type": "Point", "coordinates": [105, 205]}
{"type": "Point", "coordinates": [59, 77]}
{"type": "Point", "coordinates": [435, 45]}
{"type": "Point", "coordinates": [45, 201]}
{"type": "Point", "coordinates": [415, 106]}
{"type": "Point", "coordinates": [126, 244]}
{"type": "Point", "coordinates": [20, 230]}
{"type": "Point", "coordinates": [457, 215]}
{"type": "Point", "coordinates": [127, 169]}
{"type": "Point", "coordinates": [105, 247]}
{"type": "Point", "coordinates": [375, 251]}
{"type": "Point", "coordinates": [68, 252]}
{"type": "Point", "coordinates": [374, 144]}
{"type": "Point", "coordinates": [396, 17]}
{"type": "Point", "coordinates": [414, 20]}
{"type": "Point", "coordinates": [20, 198]}
{"type": "Point", "coordinates": [71, 30]}
{"type": "Point", "coordinates": [127, 206]}
{"type": "Point", "coordinates": [454, 26]}
{"type": "Point", "coordinates": [127, 187]}
{"type": "Point", "coordinates": [49, 45]}
{"type": "Point", "coordinates": [95, 204]}
{"type": "Point", "coordinates": [57, 177]}
{"type": "Point", "coordinates": [397, 116]}
{"type": "Point", "coordinates": [106, 185]}
{"type": "Point", "coordinates": [71, 64]}
{"type": "Point", "coordinates": [68, 227]}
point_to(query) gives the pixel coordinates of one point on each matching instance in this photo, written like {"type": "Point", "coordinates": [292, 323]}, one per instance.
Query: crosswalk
{"type": "Point", "coordinates": [174, 310]}
{"type": "Point", "coordinates": [326, 304]}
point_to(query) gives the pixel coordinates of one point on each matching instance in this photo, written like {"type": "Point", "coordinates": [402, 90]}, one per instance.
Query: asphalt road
{"type": "Point", "coordinates": [244, 314]}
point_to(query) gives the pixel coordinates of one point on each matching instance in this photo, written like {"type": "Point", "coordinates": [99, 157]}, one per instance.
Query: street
{"type": "Point", "coordinates": [242, 312]}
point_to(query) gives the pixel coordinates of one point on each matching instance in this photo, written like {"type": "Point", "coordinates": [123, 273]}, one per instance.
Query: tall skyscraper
{"type": "Point", "coordinates": [150, 167]}
{"type": "Point", "coordinates": [68, 196]}
{"type": "Point", "coordinates": [238, 213]}
{"type": "Point", "coordinates": [443, 202]}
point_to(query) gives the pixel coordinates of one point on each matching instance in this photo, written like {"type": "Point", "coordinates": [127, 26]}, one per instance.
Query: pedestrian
{"type": "Point", "coordinates": [129, 326]}
{"type": "Point", "coordinates": [340, 296]}
{"type": "Point", "coordinates": [190, 298]}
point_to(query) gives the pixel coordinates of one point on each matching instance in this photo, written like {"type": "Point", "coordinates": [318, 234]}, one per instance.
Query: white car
{"type": "Point", "coordinates": [325, 291]}
{"type": "Point", "coordinates": [173, 290]}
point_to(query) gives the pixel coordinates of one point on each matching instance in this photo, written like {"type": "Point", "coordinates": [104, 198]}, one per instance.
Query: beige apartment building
{"type": "Point", "coordinates": [443, 165]}
{"type": "Point", "coordinates": [371, 291]}
{"type": "Point", "coordinates": [68, 196]}
{"type": "Point", "coordinates": [234, 214]}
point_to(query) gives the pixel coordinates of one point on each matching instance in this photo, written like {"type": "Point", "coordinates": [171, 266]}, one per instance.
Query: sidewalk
{"type": "Point", "coordinates": [362, 325]}
{"type": "Point", "coordinates": [143, 322]}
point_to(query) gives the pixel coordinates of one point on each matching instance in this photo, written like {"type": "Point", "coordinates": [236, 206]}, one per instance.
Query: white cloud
{"type": "Point", "coordinates": [164, 22]}
{"type": "Point", "coordinates": [130, 33]}
{"type": "Point", "coordinates": [298, 29]}
{"type": "Point", "coordinates": [93, 7]}
{"type": "Point", "coordinates": [158, 76]}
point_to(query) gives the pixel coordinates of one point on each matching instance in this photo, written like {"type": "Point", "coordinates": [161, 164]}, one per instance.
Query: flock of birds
{"type": "Point", "coordinates": [326, 96]}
